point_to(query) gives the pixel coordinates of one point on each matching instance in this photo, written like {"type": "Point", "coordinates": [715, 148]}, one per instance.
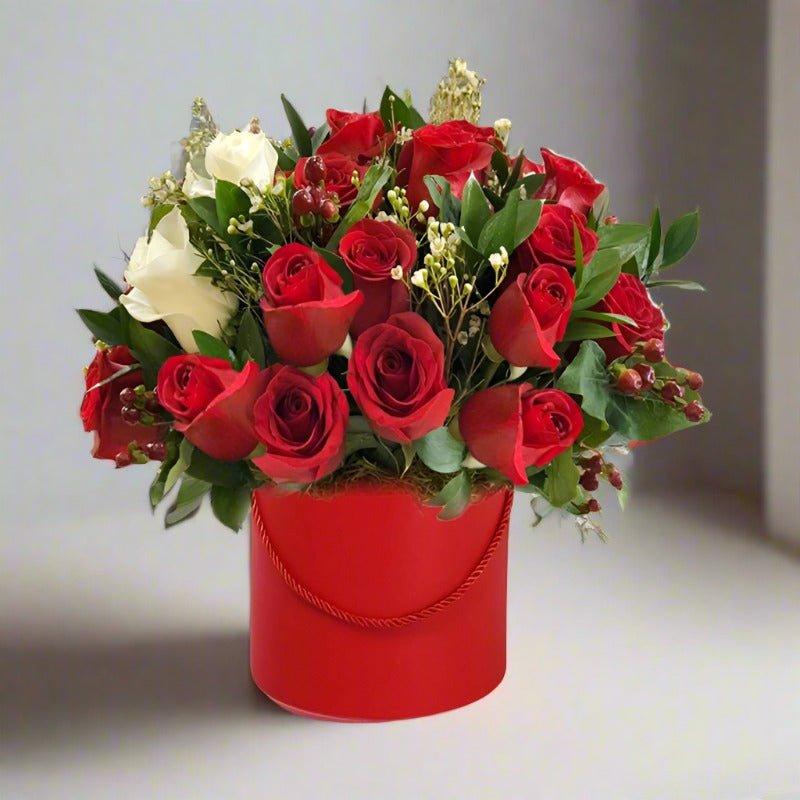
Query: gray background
{"type": "Point", "coordinates": [662, 100]}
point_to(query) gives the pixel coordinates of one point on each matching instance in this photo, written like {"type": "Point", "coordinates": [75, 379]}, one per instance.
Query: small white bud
{"type": "Point", "coordinates": [397, 273]}
{"type": "Point", "coordinates": [424, 206]}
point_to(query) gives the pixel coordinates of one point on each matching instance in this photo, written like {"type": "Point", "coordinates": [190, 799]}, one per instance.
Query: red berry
{"type": "Point", "coordinates": [610, 220]}
{"type": "Point", "coordinates": [629, 382]}
{"type": "Point", "coordinates": [694, 411]}
{"type": "Point", "coordinates": [653, 350]}
{"type": "Point", "coordinates": [589, 481]}
{"type": "Point", "coordinates": [156, 450]}
{"type": "Point", "coordinates": [694, 380]}
{"type": "Point", "coordinates": [318, 196]}
{"type": "Point", "coordinates": [593, 506]}
{"type": "Point", "coordinates": [127, 396]}
{"type": "Point", "coordinates": [615, 478]}
{"type": "Point", "coordinates": [647, 374]}
{"type": "Point", "coordinates": [303, 202]}
{"type": "Point", "coordinates": [328, 210]}
{"type": "Point", "coordinates": [151, 404]}
{"type": "Point", "coordinates": [670, 391]}
{"type": "Point", "coordinates": [130, 415]}
{"type": "Point", "coordinates": [122, 459]}
{"type": "Point", "coordinates": [314, 170]}
{"type": "Point", "coordinates": [593, 463]}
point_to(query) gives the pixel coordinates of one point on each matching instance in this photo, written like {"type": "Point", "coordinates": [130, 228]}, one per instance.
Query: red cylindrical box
{"type": "Point", "coordinates": [365, 606]}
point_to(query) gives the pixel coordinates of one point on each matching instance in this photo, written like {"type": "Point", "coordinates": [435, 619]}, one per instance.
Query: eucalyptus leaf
{"type": "Point", "coordinates": [454, 497]}
{"type": "Point", "coordinates": [188, 500]}
{"type": "Point", "coordinates": [439, 451]}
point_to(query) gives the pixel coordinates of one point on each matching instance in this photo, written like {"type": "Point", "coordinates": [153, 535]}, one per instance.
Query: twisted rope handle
{"type": "Point", "coordinates": [385, 622]}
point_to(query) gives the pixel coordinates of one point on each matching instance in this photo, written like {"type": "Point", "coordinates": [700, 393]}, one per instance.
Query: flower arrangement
{"type": "Point", "coordinates": [384, 298]}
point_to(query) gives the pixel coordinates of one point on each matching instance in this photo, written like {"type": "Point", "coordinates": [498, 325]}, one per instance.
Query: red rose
{"type": "Point", "coordinates": [628, 296]}
{"type": "Point", "coordinates": [338, 176]}
{"type": "Point", "coordinates": [452, 150]}
{"type": "Point", "coordinates": [568, 183]}
{"type": "Point", "coordinates": [514, 427]}
{"type": "Point", "coordinates": [301, 420]}
{"type": "Point", "coordinates": [101, 409]}
{"type": "Point", "coordinates": [531, 316]}
{"type": "Point", "coordinates": [306, 313]}
{"type": "Point", "coordinates": [396, 375]}
{"type": "Point", "coordinates": [212, 403]}
{"type": "Point", "coordinates": [371, 249]}
{"type": "Point", "coordinates": [360, 137]}
{"type": "Point", "coordinates": [553, 240]}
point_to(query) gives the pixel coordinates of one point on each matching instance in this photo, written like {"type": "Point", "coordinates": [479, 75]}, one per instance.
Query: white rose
{"type": "Point", "coordinates": [165, 287]}
{"type": "Point", "coordinates": [242, 154]}
{"type": "Point", "coordinates": [195, 185]}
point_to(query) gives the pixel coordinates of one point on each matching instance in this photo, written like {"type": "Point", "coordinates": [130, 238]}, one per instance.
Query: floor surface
{"type": "Point", "coordinates": [664, 663]}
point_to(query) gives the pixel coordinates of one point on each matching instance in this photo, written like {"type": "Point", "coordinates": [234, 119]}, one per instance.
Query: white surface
{"type": "Point", "coordinates": [664, 664]}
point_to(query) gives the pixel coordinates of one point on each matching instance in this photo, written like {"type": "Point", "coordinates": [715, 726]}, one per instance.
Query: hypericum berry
{"type": "Point", "coordinates": [303, 202]}
{"type": "Point", "coordinates": [314, 170]}
{"type": "Point", "coordinates": [593, 463]}
{"type": "Point", "coordinates": [156, 450]}
{"type": "Point", "coordinates": [151, 403]}
{"type": "Point", "coordinates": [694, 380]}
{"type": "Point", "coordinates": [319, 196]}
{"type": "Point", "coordinates": [653, 350]}
{"type": "Point", "coordinates": [592, 506]}
{"type": "Point", "coordinates": [615, 478]}
{"type": "Point", "coordinates": [127, 396]}
{"type": "Point", "coordinates": [629, 382]}
{"type": "Point", "coordinates": [130, 415]}
{"type": "Point", "coordinates": [589, 481]}
{"type": "Point", "coordinates": [328, 210]}
{"type": "Point", "coordinates": [647, 374]}
{"type": "Point", "coordinates": [694, 411]}
{"type": "Point", "coordinates": [122, 459]}
{"type": "Point", "coordinates": [670, 390]}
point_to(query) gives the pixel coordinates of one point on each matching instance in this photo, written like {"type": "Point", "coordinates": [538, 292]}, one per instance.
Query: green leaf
{"type": "Point", "coordinates": [104, 326]}
{"type": "Point", "coordinates": [454, 497]}
{"type": "Point", "coordinates": [320, 134]}
{"type": "Point", "coordinates": [250, 339]}
{"type": "Point", "coordinates": [500, 166]}
{"type": "Point", "coordinates": [110, 286]}
{"type": "Point", "coordinates": [231, 202]}
{"type": "Point", "coordinates": [561, 481]}
{"type": "Point", "coordinates": [230, 505]}
{"type": "Point", "coordinates": [188, 501]}
{"type": "Point", "coordinates": [150, 348]}
{"type": "Point", "coordinates": [158, 488]}
{"type": "Point", "coordinates": [302, 139]}
{"type": "Point", "coordinates": [599, 275]}
{"type": "Point", "coordinates": [437, 187]}
{"type": "Point", "coordinates": [680, 238]}
{"type": "Point", "coordinates": [655, 239]}
{"type": "Point", "coordinates": [510, 226]}
{"type": "Point", "coordinates": [286, 161]}
{"type": "Point", "coordinates": [578, 330]}
{"type": "Point", "coordinates": [513, 176]}
{"type": "Point", "coordinates": [359, 440]}
{"type": "Point", "coordinates": [588, 378]}
{"type": "Point", "coordinates": [645, 419]}
{"type": "Point", "coordinates": [206, 209]}
{"type": "Point", "coordinates": [623, 234]}
{"type": "Point", "coordinates": [475, 209]}
{"type": "Point", "coordinates": [595, 431]}
{"type": "Point", "coordinates": [691, 286]}
{"type": "Point", "coordinates": [375, 179]}
{"type": "Point", "coordinates": [209, 345]}
{"type": "Point", "coordinates": [603, 316]}
{"type": "Point", "coordinates": [221, 473]}
{"type": "Point", "coordinates": [532, 182]}
{"type": "Point", "coordinates": [578, 245]}
{"type": "Point", "coordinates": [440, 451]}
{"type": "Point", "coordinates": [158, 213]}
{"type": "Point", "coordinates": [337, 262]}
{"type": "Point", "coordinates": [395, 111]}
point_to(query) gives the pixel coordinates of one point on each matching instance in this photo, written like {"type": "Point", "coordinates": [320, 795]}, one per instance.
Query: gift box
{"type": "Point", "coordinates": [366, 606]}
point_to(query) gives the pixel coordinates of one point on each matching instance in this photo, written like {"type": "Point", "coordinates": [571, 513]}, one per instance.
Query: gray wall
{"type": "Point", "coordinates": [93, 94]}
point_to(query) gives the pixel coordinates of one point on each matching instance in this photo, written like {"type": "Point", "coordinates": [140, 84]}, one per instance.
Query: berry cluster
{"type": "Point", "coordinates": [639, 377]}
{"type": "Point", "coordinates": [139, 407]}
{"type": "Point", "coordinates": [314, 199]}
{"type": "Point", "coordinates": [594, 467]}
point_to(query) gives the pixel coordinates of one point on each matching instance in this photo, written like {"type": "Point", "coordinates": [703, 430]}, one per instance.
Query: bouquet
{"type": "Point", "coordinates": [384, 298]}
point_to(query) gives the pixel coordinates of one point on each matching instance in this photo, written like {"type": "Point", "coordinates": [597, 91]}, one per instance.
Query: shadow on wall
{"type": "Point", "coordinates": [703, 70]}
{"type": "Point", "coordinates": [64, 696]}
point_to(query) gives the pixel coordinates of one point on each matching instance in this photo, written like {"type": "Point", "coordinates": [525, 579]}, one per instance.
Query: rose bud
{"type": "Point", "coordinates": [515, 426]}
{"type": "Point", "coordinates": [360, 137]}
{"type": "Point", "coordinates": [531, 315]}
{"type": "Point", "coordinates": [306, 313]}
{"type": "Point", "coordinates": [568, 183]}
{"type": "Point", "coordinates": [212, 403]}
{"type": "Point", "coordinates": [101, 409]}
{"type": "Point", "coordinates": [396, 375]}
{"type": "Point", "coordinates": [371, 249]}
{"type": "Point", "coordinates": [338, 179]}
{"type": "Point", "coordinates": [629, 297]}
{"type": "Point", "coordinates": [301, 420]}
{"type": "Point", "coordinates": [454, 150]}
